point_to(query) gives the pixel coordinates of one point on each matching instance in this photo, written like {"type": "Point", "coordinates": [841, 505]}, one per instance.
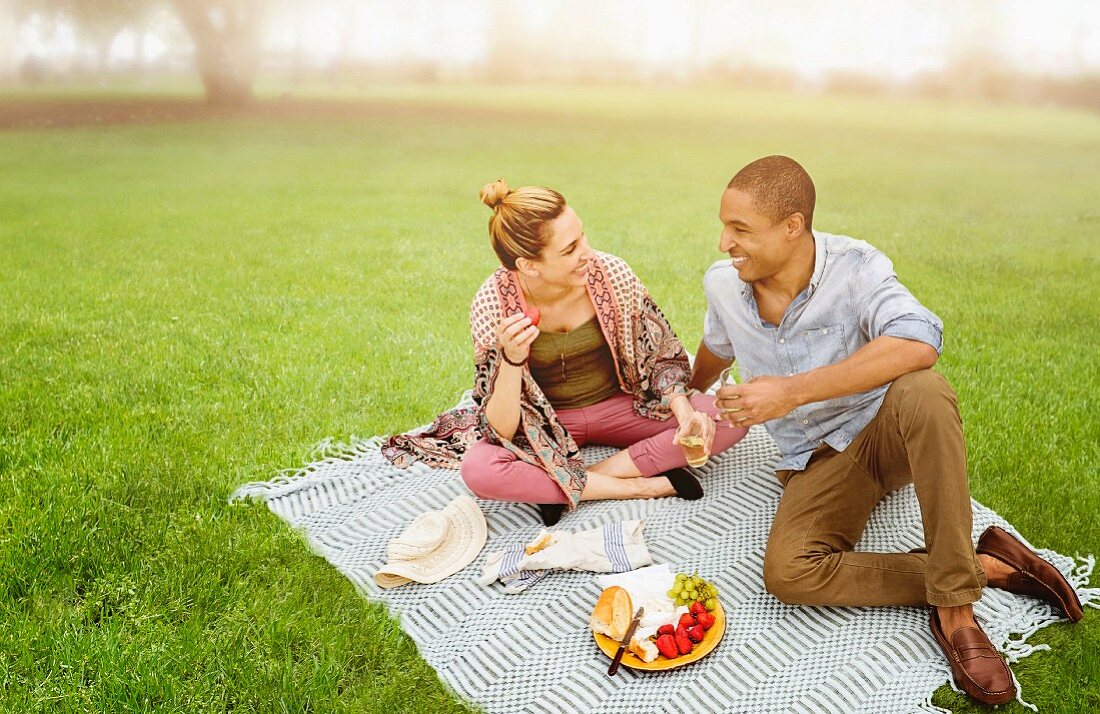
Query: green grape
{"type": "Point", "coordinates": [693, 594]}
{"type": "Point", "coordinates": [710, 604]}
{"type": "Point", "coordinates": [671, 594]}
{"type": "Point", "coordinates": [680, 577]}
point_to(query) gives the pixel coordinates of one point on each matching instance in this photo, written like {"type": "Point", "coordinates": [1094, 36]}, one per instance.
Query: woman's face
{"type": "Point", "coordinates": [566, 256]}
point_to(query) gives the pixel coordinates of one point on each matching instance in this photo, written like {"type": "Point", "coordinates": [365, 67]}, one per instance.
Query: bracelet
{"type": "Point", "coordinates": [514, 364]}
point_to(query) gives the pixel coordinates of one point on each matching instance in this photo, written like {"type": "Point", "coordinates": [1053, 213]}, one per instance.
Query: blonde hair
{"type": "Point", "coordinates": [516, 227]}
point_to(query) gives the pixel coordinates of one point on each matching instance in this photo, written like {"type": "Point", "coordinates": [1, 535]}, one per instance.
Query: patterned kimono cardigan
{"type": "Point", "coordinates": [650, 363]}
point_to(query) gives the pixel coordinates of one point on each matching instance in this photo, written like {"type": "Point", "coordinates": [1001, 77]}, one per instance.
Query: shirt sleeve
{"type": "Point", "coordinates": [886, 307]}
{"type": "Point", "coordinates": [715, 336]}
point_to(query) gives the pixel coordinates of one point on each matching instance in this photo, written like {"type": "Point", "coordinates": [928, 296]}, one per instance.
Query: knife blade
{"type": "Point", "coordinates": [625, 642]}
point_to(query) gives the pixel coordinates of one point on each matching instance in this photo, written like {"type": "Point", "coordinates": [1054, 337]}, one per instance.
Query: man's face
{"type": "Point", "coordinates": [757, 245]}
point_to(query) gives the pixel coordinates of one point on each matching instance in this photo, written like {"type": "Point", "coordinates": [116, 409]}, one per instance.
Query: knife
{"type": "Point", "coordinates": [625, 642]}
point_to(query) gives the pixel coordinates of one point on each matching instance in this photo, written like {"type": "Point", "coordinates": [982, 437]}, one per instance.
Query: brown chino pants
{"type": "Point", "coordinates": [917, 438]}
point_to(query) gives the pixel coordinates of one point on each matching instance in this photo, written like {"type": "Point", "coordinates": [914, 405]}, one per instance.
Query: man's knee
{"type": "Point", "coordinates": [794, 577]}
{"type": "Point", "coordinates": [924, 382]}
{"type": "Point", "coordinates": [923, 394]}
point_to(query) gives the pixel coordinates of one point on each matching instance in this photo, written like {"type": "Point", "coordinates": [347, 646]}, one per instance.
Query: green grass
{"type": "Point", "coordinates": [186, 307]}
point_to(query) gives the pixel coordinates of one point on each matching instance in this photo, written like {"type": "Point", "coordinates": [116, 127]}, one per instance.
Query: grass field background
{"type": "Point", "coordinates": [189, 306]}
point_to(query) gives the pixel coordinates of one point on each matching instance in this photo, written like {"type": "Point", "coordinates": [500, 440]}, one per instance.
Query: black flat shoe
{"type": "Point", "coordinates": [551, 512]}
{"type": "Point", "coordinates": [686, 485]}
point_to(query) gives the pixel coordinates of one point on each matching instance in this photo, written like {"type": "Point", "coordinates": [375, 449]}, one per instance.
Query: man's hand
{"type": "Point", "coordinates": [759, 400]}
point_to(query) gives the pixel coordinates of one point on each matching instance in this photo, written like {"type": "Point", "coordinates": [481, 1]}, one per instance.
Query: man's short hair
{"type": "Point", "coordinates": [778, 186]}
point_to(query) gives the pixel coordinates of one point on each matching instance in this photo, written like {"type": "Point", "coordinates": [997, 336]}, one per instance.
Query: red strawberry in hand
{"type": "Point", "coordinates": [683, 642]}
{"type": "Point", "coordinates": [666, 645]}
{"type": "Point", "coordinates": [686, 620]}
{"type": "Point", "coordinates": [666, 630]}
{"type": "Point", "coordinates": [534, 314]}
{"type": "Point", "coordinates": [697, 607]}
{"type": "Point", "coordinates": [706, 620]}
{"type": "Point", "coordinates": [696, 633]}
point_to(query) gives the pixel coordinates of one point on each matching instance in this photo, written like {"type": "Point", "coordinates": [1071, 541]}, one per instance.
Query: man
{"type": "Point", "coordinates": [835, 357]}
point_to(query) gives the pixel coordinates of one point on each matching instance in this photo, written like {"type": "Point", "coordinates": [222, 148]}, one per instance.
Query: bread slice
{"type": "Point", "coordinates": [644, 649]}
{"type": "Point", "coordinates": [543, 540]}
{"type": "Point", "coordinates": [612, 613]}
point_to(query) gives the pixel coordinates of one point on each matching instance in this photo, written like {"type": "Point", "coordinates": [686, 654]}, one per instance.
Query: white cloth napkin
{"type": "Point", "coordinates": [613, 548]}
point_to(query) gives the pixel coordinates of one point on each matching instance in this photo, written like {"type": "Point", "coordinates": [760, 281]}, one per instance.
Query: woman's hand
{"type": "Point", "coordinates": [692, 422]}
{"type": "Point", "coordinates": [516, 334]}
{"type": "Point", "coordinates": [696, 424]}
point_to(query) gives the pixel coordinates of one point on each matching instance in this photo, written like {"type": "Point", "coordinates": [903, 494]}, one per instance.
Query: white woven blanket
{"type": "Point", "coordinates": [532, 652]}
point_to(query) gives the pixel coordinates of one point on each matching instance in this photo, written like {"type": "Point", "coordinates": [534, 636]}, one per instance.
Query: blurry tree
{"type": "Point", "coordinates": [9, 35]}
{"type": "Point", "coordinates": [100, 21]}
{"type": "Point", "coordinates": [225, 33]}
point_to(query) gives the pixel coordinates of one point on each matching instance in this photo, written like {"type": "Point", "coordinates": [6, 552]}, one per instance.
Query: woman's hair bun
{"type": "Point", "coordinates": [492, 194]}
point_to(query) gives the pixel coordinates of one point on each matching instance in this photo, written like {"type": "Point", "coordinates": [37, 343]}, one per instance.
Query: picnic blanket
{"type": "Point", "coordinates": [533, 652]}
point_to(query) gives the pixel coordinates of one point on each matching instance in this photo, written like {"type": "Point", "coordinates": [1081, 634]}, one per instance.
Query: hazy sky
{"type": "Point", "coordinates": [895, 38]}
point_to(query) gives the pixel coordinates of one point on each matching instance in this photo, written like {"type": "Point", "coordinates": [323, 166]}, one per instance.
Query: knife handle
{"type": "Point", "coordinates": [615, 662]}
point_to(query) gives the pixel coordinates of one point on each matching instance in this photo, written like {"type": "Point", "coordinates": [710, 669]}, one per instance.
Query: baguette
{"type": "Point", "coordinates": [612, 613]}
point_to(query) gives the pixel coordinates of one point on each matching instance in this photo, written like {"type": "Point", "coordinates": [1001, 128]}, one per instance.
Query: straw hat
{"type": "Point", "coordinates": [436, 544]}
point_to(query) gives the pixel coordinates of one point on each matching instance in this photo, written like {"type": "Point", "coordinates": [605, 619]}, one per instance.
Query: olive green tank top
{"type": "Point", "coordinates": [574, 369]}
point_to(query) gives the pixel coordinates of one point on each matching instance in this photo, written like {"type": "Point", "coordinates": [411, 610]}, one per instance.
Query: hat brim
{"type": "Point", "coordinates": [469, 531]}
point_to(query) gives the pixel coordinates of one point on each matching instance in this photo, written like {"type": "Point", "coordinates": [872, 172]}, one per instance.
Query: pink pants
{"type": "Point", "coordinates": [492, 472]}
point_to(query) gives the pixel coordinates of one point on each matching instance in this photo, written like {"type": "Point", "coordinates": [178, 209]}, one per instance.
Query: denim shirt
{"type": "Point", "coordinates": [853, 297]}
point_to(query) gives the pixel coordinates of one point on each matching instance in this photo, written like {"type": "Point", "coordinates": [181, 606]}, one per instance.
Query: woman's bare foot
{"type": "Point", "coordinates": [601, 487]}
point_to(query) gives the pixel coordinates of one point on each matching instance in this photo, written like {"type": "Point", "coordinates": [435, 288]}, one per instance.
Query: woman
{"type": "Point", "coordinates": [602, 365]}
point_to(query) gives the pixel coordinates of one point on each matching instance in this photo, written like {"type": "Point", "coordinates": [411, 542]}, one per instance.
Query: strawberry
{"type": "Point", "coordinates": [686, 620]}
{"type": "Point", "coordinates": [706, 620]}
{"type": "Point", "coordinates": [666, 645]}
{"type": "Point", "coordinates": [696, 633]}
{"type": "Point", "coordinates": [697, 607]}
{"type": "Point", "coordinates": [534, 314]}
{"type": "Point", "coordinates": [666, 630]}
{"type": "Point", "coordinates": [683, 642]}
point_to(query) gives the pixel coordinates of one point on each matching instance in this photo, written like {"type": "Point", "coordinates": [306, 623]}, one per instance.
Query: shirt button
{"type": "Point", "coordinates": [805, 421]}
{"type": "Point", "coordinates": [790, 374]}
{"type": "Point", "coordinates": [826, 330]}
{"type": "Point", "coordinates": [781, 341]}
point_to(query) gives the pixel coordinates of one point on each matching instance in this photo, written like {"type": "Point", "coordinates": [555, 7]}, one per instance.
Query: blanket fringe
{"type": "Point", "coordinates": [1079, 579]}
{"type": "Point", "coordinates": [327, 451]}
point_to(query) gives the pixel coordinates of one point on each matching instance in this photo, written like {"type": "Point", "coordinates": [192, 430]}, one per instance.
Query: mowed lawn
{"type": "Point", "coordinates": [189, 306]}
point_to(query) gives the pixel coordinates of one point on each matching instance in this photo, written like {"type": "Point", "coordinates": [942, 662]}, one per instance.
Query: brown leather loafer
{"type": "Point", "coordinates": [978, 668]}
{"type": "Point", "coordinates": [1034, 576]}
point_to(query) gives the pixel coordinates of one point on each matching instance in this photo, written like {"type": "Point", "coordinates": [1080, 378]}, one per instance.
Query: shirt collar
{"type": "Point", "coordinates": [819, 260]}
